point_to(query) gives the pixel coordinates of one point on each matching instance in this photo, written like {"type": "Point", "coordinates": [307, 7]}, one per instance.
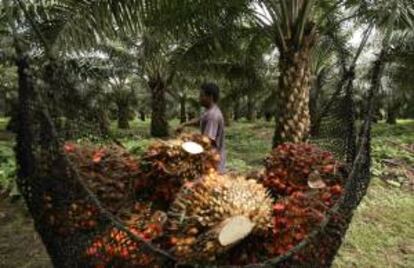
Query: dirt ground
{"type": "Point", "coordinates": [22, 249]}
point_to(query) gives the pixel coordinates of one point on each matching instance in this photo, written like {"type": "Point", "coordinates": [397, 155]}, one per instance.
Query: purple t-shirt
{"type": "Point", "coordinates": [212, 126]}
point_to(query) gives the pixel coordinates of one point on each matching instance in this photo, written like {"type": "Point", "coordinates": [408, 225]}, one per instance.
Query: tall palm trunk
{"type": "Point", "coordinates": [236, 115]}
{"type": "Point", "coordinates": [159, 122]}
{"type": "Point", "coordinates": [377, 73]}
{"type": "Point", "coordinates": [251, 116]}
{"type": "Point", "coordinates": [123, 115]}
{"type": "Point", "coordinates": [142, 115]}
{"type": "Point", "coordinates": [25, 136]}
{"type": "Point", "coordinates": [314, 102]}
{"type": "Point", "coordinates": [392, 112]}
{"type": "Point", "coordinates": [104, 123]}
{"type": "Point", "coordinates": [183, 112]}
{"type": "Point", "coordinates": [293, 119]}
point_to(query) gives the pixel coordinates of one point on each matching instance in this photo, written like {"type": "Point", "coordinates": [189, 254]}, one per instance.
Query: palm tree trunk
{"type": "Point", "coordinates": [226, 110]}
{"type": "Point", "coordinates": [250, 109]}
{"type": "Point", "coordinates": [392, 112]}
{"type": "Point", "coordinates": [183, 112]}
{"type": "Point", "coordinates": [377, 72]}
{"type": "Point", "coordinates": [293, 119]}
{"type": "Point", "coordinates": [314, 103]}
{"type": "Point", "coordinates": [142, 115]}
{"type": "Point", "coordinates": [236, 115]}
{"type": "Point", "coordinates": [123, 115]}
{"type": "Point", "coordinates": [104, 122]}
{"type": "Point", "coordinates": [25, 136]}
{"type": "Point", "coordinates": [159, 122]}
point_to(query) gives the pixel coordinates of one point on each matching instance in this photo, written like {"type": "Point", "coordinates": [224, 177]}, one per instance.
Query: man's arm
{"type": "Point", "coordinates": [192, 123]}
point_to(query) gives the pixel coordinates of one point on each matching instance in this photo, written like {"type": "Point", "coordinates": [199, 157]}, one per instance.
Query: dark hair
{"type": "Point", "coordinates": [212, 90]}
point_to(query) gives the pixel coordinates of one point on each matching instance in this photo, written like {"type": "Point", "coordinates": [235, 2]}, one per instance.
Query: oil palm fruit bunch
{"type": "Point", "coordinates": [167, 165]}
{"type": "Point", "coordinates": [215, 213]}
{"type": "Point", "coordinates": [68, 217]}
{"type": "Point", "coordinates": [297, 215]}
{"type": "Point", "coordinates": [310, 181]}
{"type": "Point", "coordinates": [109, 172]}
{"type": "Point", "coordinates": [115, 248]}
{"type": "Point", "coordinates": [299, 166]}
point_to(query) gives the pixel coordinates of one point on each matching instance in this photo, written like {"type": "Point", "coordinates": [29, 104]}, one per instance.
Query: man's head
{"type": "Point", "coordinates": [209, 94]}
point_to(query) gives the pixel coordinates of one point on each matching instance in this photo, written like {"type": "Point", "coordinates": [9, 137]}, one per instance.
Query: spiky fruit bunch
{"type": "Point", "coordinates": [296, 216]}
{"type": "Point", "coordinates": [311, 181]}
{"type": "Point", "coordinates": [167, 165]}
{"type": "Point", "coordinates": [108, 172]}
{"type": "Point", "coordinates": [223, 208]}
{"type": "Point", "coordinates": [116, 248]}
{"type": "Point", "coordinates": [298, 167]}
{"type": "Point", "coordinates": [69, 218]}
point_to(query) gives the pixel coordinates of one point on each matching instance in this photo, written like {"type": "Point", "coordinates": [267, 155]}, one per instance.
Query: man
{"type": "Point", "coordinates": [211, 121]}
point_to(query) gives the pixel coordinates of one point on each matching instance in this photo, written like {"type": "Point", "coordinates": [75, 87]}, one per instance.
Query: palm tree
{"type": "Point", "coordinates": [294, 33]}
{"type": "Point", "coordinates": [294, 27]}
{"type": "Point", "coordinates": [397, 87]}
{"type": "Point", "coordinates": [391, 18]}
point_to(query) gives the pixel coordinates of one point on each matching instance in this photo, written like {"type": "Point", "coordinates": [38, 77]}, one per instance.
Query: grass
{"type": "Point", "coordinates": [7, 163]}
{"type": "Point", "coordinates": [382, 231]}
{"type": "Point", "coordinates": [3, 123]}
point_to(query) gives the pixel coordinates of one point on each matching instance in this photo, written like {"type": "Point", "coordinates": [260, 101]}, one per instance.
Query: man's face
{"type": "Point", "coordinates": [205, 100]}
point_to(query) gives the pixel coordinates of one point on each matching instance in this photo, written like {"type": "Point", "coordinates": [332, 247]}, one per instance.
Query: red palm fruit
{"type": "Point", "coordinates": [69, 148]}
{"type": "Point", "coordinates": [279, 207]}
{"type": "Point", "coordinates": [326, 196]}
{"type": "Point", "coordinates": [328, 169]}
{"type": "Point", "coordinates": [319, 216]}
{"type": "Point", "coordinates": [299, 236]}
{"type": "Point", "coordinates": [281, 222]}
{"type": "Point", "coordinates": [110, 249]}
{"type": "Point", "coordinates": [91, 223]}
{"type": "Point", "coordinates": [336, 189]}
{"type": "Point", "coordinates": [298, 195]}
{"type": "Point", "coordinates": [124, 253]}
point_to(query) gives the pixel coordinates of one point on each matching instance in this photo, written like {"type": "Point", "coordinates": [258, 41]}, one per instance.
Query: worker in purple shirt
{"type": "Point", "coordinates": [211, 121]}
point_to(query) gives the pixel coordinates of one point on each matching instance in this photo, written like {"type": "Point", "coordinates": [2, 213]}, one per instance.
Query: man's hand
{"type": "Point", "coordinates": [194, 122]}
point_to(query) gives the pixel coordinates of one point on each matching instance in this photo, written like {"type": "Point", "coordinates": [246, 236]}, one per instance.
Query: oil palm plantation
{"type": "Point", "coordinates": [392, 20]}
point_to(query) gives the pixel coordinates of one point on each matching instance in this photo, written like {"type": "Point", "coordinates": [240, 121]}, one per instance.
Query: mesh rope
{"type": "Point", "coordinates": [53, 186]}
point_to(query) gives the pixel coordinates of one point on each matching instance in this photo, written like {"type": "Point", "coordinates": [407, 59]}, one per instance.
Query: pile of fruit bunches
{"type": "Point", "coordinates": [109, 172]}
{"type": "Point", "coordinates": [308, 181]}
{"type": "Point", "coordinates": [116, 248]}
{"type": "Point", "coordinates": [67, 219]}
{"type": "Point", "coordinates": [166, 167]}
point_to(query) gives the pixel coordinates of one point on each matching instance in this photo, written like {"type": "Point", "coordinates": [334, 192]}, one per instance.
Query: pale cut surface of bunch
{"type": "Point", "coordinates": [192, 147]}
{"type": "Point", "coordinates": [216, 213]}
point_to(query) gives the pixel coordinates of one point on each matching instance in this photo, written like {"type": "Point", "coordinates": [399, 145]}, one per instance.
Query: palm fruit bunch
{"type": "Point", "coordinates": [167, 165]}
{"type": "Point", "coordinates": [109, 172]}
{"type": "Point", "coordinates": [67, 219]}
{"type": "Point", "coordinates": [296, 216]}
{"type": "Point", "coordinates": [310, 181]}
{"type": "Point", "coordinates": [298, 167]}
{"type": "Point", "coordinates": [215, 213]}
{"type": "Point", "coordinates": [115, 248]}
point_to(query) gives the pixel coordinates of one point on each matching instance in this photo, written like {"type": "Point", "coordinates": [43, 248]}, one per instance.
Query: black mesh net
{"type": "Point", "coordinates": [99, 206]}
